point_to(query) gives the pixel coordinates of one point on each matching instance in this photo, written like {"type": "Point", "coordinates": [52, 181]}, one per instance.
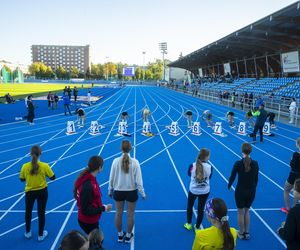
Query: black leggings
{"type": "Point", "coordinates": [41, 196]}
{"type": "Point", "coordinates": [201, 203]}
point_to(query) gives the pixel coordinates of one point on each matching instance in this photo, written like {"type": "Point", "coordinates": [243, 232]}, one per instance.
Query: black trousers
{"type": "Point", "coordinates": [256, 128]}
{"type": "Point", "coordinates": [67, 107]}
{"type": "Point", "coordinates": [30, 116]}
{"type": "Point", "coordinates": [41, 196]}
{"type": "Point", "coordinates": [87, 228]}
{"type": "Point", "coordinates": [201, 203]}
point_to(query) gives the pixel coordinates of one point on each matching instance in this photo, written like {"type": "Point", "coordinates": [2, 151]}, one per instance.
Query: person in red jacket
{"type": "Point", "coordinates": [88, 196]}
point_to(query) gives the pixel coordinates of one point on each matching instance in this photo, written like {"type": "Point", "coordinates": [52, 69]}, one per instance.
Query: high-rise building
{"type": "Point", "coordinates": [62, 55]}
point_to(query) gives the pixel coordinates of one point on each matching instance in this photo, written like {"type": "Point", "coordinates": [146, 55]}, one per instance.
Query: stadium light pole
{"type": "Point", "coordinates": [144, 52]}
{"type": "Point", "coordinates": [163, 49]}
{"type": "Point", "coordinates": [107, 67]}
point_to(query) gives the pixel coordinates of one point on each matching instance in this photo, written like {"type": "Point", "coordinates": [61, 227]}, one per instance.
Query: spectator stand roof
{"type": "Point", "coordinates": [272, 35]}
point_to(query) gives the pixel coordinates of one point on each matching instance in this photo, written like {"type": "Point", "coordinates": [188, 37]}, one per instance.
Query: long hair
{"type": "Point", "coordinates": [35, 153]}
{"type": "Point", "coordinates": [247, 149]}
{"type": "Point", "coordinates": [220, 211]}
{"type": "Point", "coordinates": [202, 156]}
{"type": "Point", "coordinates": [74, 240]}
{"type": "Point", "coordinates": [125, 147]}
{"type": "Point", "coordinates": [298, 142]}
{"type": "Point", "coordinates": [95, 238]}
{"type": "Point", "coordinates": [95, 163]}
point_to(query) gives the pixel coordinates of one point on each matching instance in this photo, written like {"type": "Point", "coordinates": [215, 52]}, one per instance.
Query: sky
{"type": "Point", "coordinates": [120, 30]}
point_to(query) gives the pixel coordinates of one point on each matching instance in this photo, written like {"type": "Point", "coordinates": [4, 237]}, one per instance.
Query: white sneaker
{"type": "Point", "coordinates": [41, 238]}
{"type": "Point", "coordinates": [28, 235]}
{"type": "Point", "coordinates": [290, 122]}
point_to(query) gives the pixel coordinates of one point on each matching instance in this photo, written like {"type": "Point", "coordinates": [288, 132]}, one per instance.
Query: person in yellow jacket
{"type": "Point", "coordinates": [34, 173]}
{"type": "Point", "coordinates": [220, 235]}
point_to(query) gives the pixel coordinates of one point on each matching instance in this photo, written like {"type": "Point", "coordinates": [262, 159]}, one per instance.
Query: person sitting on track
{"type": "Point", "coordinates": [230, 117]}
{"type": "Point", "coordinates": [220, 235]}
{"type": "Point", "coordinates": [189, 116]}
{"type": "Point", "coordinates": [207, 115]}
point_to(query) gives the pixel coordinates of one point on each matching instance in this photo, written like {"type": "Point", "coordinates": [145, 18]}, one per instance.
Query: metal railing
{"type": "Point", "coordinates": [281, 110]}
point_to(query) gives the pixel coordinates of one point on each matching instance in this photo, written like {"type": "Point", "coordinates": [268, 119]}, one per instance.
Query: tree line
{"type": "Point", "coordinates": [109, 70]}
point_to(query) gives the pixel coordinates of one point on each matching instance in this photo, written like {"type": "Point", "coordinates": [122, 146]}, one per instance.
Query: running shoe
{"type": "Point", "coordinates": [285, 210]}
{"type": "Point", "coordinates": [240, 236]}
{"type": "Point", "coordinates": [188, 226]}
{"type": "Point", "coordinates": [28, 235]}
{"type": "Point", "coordinates": [128, 239]}
{"type": "Point", "coordinates": [246, 236]}
{"type": "Point", "coordinates": [121, 237]}
{"type": "Point", "coordinates": [42, 237]}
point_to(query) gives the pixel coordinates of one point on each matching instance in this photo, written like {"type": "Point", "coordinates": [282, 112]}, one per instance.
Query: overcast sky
{"type": "Point", "coordinates": [122, 29]}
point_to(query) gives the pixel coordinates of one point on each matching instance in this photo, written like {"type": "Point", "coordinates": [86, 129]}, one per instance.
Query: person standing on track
{"type": "Point", "coordinates": [261, 117]}
{"type": "Point", "coordinates": [88, 196]}
{"type": "Point", "coordinates": [247, 170]}
{"type": "Point", "coordinates": [30, 108]}
{"type": "Point", "coordinates": [200, 173]}
{"type": "Point", "coordinates": [125, 181]}
{"type": "Point", "coordinates": [67, 102]}
{"type": "Point", "coordinates": [294, 174]}
{"type": "Point", "coordinates": [34, 173]}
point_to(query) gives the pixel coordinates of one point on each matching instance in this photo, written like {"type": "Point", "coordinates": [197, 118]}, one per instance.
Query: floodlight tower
{"type": "Point", "coordinates": [163, 49]}
{"type": "Point", "coordinates": [144, 52]}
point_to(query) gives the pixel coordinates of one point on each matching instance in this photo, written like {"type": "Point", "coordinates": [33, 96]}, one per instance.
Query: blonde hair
{"type": "Point", "coordinates": [202, 156]}
{"type": "Point", "coordinates": [125, 147]}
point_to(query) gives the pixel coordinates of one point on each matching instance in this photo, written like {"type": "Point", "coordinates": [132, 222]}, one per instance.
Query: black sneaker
{"type": "Point", "coordinates": [129, 239]}
{"type": "Point", "coordinates": [121, 238]}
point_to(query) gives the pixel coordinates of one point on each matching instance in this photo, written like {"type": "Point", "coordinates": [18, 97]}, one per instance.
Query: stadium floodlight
{"type": "Point", "coordinates": [163, 48]}
{"type": "Point", "coordinates": [144, 52]}
{"type": "Point", "coordinates": [107, 67]}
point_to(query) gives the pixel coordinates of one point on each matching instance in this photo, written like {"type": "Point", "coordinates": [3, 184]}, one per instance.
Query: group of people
{"type": "Point", "coordinates": [125, 182]}
{"type": "Point", "coordinates": [220, 235]}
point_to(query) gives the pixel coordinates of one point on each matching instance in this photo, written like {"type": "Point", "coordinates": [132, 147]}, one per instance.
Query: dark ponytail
{"type": "Point", "coordinates": [35, 154]}
{"type": "Point", "coordinates": [125, 147]}
{"type": "Point", "coordinates": [247, 149]}
{"type": "Point", "coordinates": [202, 156]}
{"type": "Point", "coordinates": [220, 211]}
{"type": "Point", "coordinates": [95, 163]}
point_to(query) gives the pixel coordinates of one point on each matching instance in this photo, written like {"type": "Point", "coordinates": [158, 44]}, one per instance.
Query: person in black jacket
{"type": "Point", "coordinates": [261, 117]}
{"type": "Point", "coordinates": [30, 108]}
{"type": "Point", "coordinates": [75, 93]}
{"type": "Point", "coordinates": [247, 170]}
{"type": "Point", "coordinates": [294, 174]}
{"type": "Point", "coordinates": [290, 229]}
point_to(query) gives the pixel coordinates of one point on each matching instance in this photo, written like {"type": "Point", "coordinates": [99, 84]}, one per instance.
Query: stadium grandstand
{"type": "Point", "coordinates": [261, 58]}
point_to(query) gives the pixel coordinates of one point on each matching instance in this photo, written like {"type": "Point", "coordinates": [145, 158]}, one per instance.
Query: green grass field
{"type": "Point", "coordinates": [20, 90]}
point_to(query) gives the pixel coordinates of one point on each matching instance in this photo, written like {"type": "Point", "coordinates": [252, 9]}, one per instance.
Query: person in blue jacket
{"type": "Point", "coordinates": [66, 101]}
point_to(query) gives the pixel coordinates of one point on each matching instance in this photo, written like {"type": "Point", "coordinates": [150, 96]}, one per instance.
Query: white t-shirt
{"type": "Point", "coordinates": [121, 181]}
{"type": "Point", "coordinates": [200, 187]}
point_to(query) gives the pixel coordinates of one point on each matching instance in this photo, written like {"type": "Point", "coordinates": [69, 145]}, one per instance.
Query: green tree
{"type": "Point", "coordinates": [49, 72]}
{"type": "Point", "coordinates": [74, 72]}
{"type": "Point", "coordinates": [138, 73]}
{"type": "Point", "coordinates": [148, 74]}
{"type": "Point", "coordinates": [34, 69]}
{"type": "Point", "coordinates": [61, 72]}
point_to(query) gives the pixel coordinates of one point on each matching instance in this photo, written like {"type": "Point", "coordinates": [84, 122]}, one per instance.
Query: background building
{"type": "Point", "coordinates": [62, 55]}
